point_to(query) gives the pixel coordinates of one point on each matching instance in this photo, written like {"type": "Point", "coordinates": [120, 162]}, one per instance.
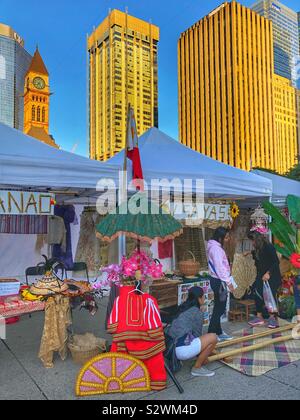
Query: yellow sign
{"type": "Point", "coordinates": [26, 203]}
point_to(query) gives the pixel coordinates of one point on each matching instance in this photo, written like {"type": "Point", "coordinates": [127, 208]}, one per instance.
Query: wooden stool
{"type": "Point", "coordinates": [236, 316]}
{"type": "Point", "coordinates": [247, 306]}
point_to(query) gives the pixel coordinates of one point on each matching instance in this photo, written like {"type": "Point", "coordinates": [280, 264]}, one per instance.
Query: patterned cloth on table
{"type": "Point", "coordinates": [136, 326]}
{"type": "Point", "coordinates": [15, 306]}
{"type": "Point", "coordinates": [55, 335]}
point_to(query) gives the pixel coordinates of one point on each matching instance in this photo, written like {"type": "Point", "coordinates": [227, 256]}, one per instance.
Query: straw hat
{"type": "Point", "coordinates": [48, 285]}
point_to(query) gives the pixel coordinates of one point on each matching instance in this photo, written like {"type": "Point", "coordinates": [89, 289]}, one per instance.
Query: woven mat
{"type": "Point", "coordinates": [261, 361]}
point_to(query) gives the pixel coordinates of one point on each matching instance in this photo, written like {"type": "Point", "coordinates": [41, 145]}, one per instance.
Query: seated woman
{"type": "Point", "coordinates": [186, 330]}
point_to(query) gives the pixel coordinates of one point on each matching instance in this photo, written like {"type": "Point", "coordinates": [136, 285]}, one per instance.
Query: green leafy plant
{"type": "Point", "coordinates": [285, 232]}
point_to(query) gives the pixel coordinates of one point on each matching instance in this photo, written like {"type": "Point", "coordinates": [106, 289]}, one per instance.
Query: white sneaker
{"type": "Point", "coordinates": [224, 337]}
{"type": "Point", "coordinates": [202, 372]}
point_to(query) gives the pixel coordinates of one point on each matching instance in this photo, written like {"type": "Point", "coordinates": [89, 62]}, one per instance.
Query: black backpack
{"type": "Point", "coordinates": [170, 354]}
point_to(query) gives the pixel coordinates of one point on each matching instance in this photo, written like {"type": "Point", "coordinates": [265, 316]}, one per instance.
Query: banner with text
{"type": "Point", "coordinates": [26, 203]}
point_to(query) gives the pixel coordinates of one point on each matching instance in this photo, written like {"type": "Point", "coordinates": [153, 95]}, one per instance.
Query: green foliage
{"type": "Point", "coordinates": [281, 229]}
{"type": "Point", "coordinates": [283, 251]}
{"type": "Point", "coordinates": [282, 236]}
{"type": "Point", "coordinates": [294, 173]}
{"type": "Point", "coordinates": [294, 207]}
{"type": "Point", "coordinates": [287, 307]}
{"type": "Point", "coordinates": [279, 219]}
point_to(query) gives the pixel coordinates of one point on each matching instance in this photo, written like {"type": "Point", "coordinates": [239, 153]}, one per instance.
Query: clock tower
{"type": "Point", "coordinates": [37, 101]}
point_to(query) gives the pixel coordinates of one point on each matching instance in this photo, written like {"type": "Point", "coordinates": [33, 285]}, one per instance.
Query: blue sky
{"type": "Point", "coordinates": [60, 27]}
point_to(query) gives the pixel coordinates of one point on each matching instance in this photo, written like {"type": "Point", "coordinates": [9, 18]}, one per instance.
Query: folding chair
{"type": "Point", "coordinates": [38, 270]}
{"type": "Point", "coordinates": [79, 267]}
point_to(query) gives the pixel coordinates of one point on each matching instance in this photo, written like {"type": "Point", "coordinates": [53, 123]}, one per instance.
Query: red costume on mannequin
{"type": "Point", "coordinates": [136, 326]}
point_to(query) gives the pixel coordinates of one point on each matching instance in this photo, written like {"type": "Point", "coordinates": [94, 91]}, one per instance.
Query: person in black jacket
{"type": "Point", "coordinates": [268, 269]}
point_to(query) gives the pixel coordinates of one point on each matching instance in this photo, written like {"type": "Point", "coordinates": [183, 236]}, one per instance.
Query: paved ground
{"type": "Point", "coordinates": [22, 375]}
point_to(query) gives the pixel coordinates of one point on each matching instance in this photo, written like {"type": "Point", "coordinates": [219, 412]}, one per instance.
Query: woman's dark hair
{"type": "Point", "coordinates": [259, 241]}
{"type": "Point", "coordinates": [220, 234]}
{"type": "Point", "coordinates": [195, 293]}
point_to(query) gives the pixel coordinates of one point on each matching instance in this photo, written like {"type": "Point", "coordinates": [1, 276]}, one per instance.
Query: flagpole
{"type": "Point", "coordinates": [123, 195]}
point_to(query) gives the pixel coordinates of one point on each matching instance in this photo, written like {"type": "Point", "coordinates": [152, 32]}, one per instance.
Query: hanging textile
{"type": "Point", "coordinates": [57, 232]}
{"type": "Point", "coordinates": [136, 326]}
{"type": "Point", "coordinates": [90, 249]}
{"type": "Point", "coordinates": [23, 225]}
{"type": "Point", "coordinates": [55, 334]}
{"type": "Point", "coordinates": [165, 250]}
{"type": "Point", "coordinates": [64, 253]}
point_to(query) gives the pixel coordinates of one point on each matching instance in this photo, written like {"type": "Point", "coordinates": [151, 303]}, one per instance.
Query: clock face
{"type": "Point", "coordinates": [39, 83]}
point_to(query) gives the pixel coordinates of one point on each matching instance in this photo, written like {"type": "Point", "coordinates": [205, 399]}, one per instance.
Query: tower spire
{"type": "Point", "coordinates": [37, 64]}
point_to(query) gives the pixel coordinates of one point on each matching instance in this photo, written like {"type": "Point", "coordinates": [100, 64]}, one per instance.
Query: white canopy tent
{"type": "Point", "coordinates": [26, 162]}
{"type": "Point", "coordinates": [282, 187]}
{"type": "Point", "coordinates": [163, 157]}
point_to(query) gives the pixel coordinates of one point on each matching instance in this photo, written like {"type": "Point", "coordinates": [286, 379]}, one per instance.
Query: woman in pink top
{"type": "Point", "coordinates": [220, 278]}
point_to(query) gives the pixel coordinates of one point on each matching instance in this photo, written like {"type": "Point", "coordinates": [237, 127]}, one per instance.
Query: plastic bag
{"type": "Point", "coordinates": [270, 302]}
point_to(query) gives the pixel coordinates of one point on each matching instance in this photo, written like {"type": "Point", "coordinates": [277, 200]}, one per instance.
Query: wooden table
{"type": "Point", "coordinates": [14, 306]}
{"type": "Point", "coordinates": [166, 292]}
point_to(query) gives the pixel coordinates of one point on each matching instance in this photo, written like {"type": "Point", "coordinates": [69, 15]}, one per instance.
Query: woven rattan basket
{"type": "Point", "coordinates": [189, 267]}
{"type": "Point", "coordinates": [80, 356]}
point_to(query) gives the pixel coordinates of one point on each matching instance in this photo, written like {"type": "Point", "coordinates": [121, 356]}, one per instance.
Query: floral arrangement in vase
{"type": "Point", "coordinates": [139, 267]}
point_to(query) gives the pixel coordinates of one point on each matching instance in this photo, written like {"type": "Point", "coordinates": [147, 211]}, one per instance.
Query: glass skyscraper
{"type": "Point", "coordinates": [14, 63]}
{"type": "Point", "coordinates": [123, 69]}
{"type": "Point", "coordinates": [286, 36]}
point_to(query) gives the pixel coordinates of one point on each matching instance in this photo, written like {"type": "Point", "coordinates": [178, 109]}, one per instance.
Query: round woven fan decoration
{"type": "Point", "coordinates": [244, 273]}
{"type": "Point", "coordinates": [112, 373]}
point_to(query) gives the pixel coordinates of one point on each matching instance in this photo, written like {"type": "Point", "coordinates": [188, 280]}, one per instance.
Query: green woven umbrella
{"type": "Point", "coordinates": [150, 224]}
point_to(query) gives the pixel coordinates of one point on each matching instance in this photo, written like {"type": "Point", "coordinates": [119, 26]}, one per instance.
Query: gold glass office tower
{"type": "Point", "coordinates": [226, 106]}
{"type": "Point", "coordinates": [122, 69]}
{"type": "Point", "coordinates": [285, 100]}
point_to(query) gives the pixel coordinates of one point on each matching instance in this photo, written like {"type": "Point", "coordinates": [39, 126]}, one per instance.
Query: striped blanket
{"type": "Point", "coordinates": [23, 225]}
{"type": "Point", "coordinates": [261, 361]}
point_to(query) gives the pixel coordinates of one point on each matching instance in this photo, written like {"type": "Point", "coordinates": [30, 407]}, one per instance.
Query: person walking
{"type": "Point", "coordinates": [268, 269]}
{"type": "Point", "coordinates": [221, 280]}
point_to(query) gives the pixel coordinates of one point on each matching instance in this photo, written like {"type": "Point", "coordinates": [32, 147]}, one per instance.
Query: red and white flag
{"type": "Point", "coordinates": [133, 152]}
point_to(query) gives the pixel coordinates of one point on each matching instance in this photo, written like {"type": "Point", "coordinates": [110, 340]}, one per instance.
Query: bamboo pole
{"type": "Point", "coordinates": [255, 336]}
{"type": "Point", "coordinates": [236, 352]}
